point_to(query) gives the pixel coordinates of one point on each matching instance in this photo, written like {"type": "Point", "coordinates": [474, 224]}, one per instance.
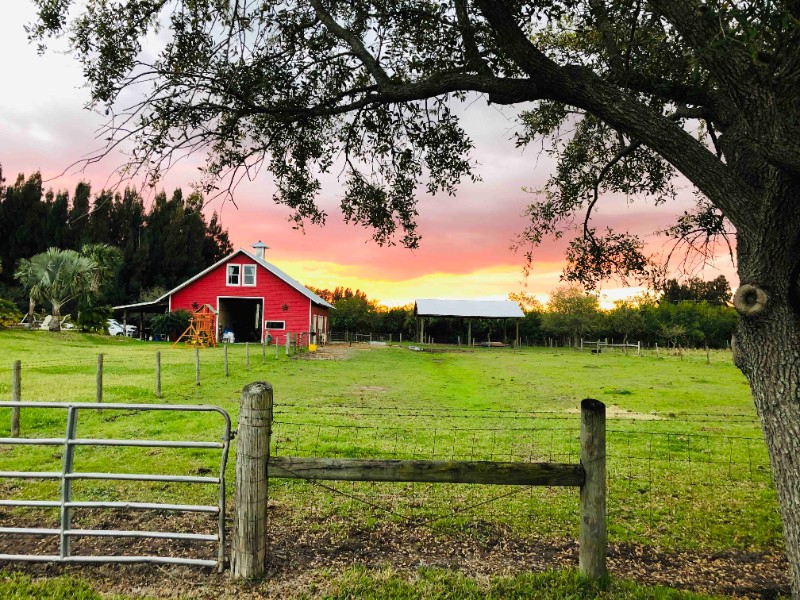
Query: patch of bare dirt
{"type": "Point", "coordinates": [616, 412]}
{"type": "Point", "coordinates": [304, 558]}
{"type": "Point", "coordinates": [329, 352]}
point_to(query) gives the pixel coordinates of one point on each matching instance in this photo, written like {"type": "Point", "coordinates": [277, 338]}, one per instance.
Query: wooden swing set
{"type": "Point", "coordinates": [201, 329]}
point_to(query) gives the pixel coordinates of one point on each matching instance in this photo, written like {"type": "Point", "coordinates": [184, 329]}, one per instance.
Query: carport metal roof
{"type": "Point", "coordinates": [478, 309]}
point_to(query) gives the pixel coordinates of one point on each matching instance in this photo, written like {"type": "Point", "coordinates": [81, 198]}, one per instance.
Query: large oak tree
{"type": "Point", "coordinates": [629, 93]}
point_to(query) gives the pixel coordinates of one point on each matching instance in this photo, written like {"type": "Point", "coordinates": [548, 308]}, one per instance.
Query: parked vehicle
{"type": "Point", "coordinates": [116, 328]}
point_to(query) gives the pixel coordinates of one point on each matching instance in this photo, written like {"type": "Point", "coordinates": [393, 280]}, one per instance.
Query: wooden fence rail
{"type": "Point", "coordinates": [256, 467]}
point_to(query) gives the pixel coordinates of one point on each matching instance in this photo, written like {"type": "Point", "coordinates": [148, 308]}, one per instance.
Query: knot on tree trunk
{"type": "Point", "coordinates": [750, 300]}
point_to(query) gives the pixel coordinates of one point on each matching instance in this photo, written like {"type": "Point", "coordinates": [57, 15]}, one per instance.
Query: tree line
{"type": "Point", "coordinates": [694, 313]}
{"type": "Point", "coordinates": [159, 245]}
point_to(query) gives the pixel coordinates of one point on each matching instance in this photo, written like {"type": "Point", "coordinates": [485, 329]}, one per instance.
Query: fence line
{"type": "Point", "coordinates": [256, 466]}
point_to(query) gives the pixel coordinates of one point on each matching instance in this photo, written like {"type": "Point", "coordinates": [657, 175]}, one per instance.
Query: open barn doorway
{"type": "Point", "coordinates": [241, 317]}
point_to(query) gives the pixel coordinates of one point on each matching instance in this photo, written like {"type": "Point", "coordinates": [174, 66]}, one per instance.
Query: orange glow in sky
{"type": "Point", "coordinates": [466, 239]}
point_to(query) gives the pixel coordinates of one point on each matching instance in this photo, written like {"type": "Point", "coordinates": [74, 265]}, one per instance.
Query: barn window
{"type": "Point", "coordinates": [249, 275]}
{"type": "Point", "coordinates": [274, 324]}
{"type": "Point", "coordinates": [233, 274]}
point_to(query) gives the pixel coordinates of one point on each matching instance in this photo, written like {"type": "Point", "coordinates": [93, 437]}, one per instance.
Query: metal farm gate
{"type": "Point", "coordinates": [68, 474]}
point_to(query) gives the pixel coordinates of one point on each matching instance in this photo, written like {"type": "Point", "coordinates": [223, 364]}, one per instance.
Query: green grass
{"type": "Point", "coordinates": [690, 471]}
{"type": "Point", "coordinates": [17, 586]}
{"type": "Point", "coordinates": [440, 584]}
{"type": "Point", "coordinates": [387, 584]}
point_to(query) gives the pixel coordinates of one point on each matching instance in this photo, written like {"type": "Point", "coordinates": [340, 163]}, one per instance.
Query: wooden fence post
{"type": "Point", "coordinates": [249, 544]}
{"type": "Point", "coordinates": [288, 342]}
{"type": "Point", "coordinates": [197, 366]}
{"type": "Point", "coordinates": [225, 361]}
{"type": "Point", "coordinates": [264, 352]}
{"type": "Point", "coordinates": [593, 536]}
{"type": "Point", "coordinates": [99, 379]}
{"type": "Point", "coordinates": [158, 374]}
{"type": "Point", "coordinates": [16, 395]}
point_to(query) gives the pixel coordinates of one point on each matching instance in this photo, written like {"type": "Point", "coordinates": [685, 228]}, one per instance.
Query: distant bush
{"type": "Point", "coordinates": [171, 324]}
{"type": "Point", "coordinates": [94, 318]}
{"type": "Point", "coordinates": [9, 313]}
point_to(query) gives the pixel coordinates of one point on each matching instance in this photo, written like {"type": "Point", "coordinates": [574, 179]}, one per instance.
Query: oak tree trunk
{"type": "Point", "coordinates": [766, 348]}
{"type": "Point", "coordinates": [768, 352]}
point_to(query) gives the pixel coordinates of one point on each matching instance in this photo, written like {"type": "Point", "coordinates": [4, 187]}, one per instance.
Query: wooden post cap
{"type": "Point", "coordinates": [593, 405]}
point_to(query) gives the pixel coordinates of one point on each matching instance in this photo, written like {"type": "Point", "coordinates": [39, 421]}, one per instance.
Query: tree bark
{"type": "Point", "coordinates": [55, 322]}
{"type": "Point", "coordinates": [767, 350]}
{"type": "Point", "coordinates": [31, 309]}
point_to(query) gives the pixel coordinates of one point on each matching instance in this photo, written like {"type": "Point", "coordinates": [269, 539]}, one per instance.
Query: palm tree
{"type": "Point", "coordinates": [107, 260]}
{"type": "Point", "coordinates": [56, 276]}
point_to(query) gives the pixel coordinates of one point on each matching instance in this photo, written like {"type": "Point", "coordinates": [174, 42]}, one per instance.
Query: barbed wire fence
{"type": "Point", "coordinates": [670, 488]}
{"type": "Point", "coordinates": [677, 483]}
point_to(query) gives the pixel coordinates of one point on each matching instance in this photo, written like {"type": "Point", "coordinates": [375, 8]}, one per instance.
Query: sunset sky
{"type": "Point", "coordinates": [465, 249]}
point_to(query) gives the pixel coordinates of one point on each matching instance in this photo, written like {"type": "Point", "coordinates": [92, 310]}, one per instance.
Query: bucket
{"type": "Point", "coordinates": [312, 347]}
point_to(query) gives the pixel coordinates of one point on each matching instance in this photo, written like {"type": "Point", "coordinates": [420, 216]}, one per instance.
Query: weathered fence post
{"type": "Point", "coordinates": [158, 374]}
{"type": "Point", "coordinates": [593, 537]}
{"type": "Point", "coordinates": [197, 366]}
{"type": "Point", "coordinates": [288, 342]}
{"type": "Point", "coordinates": [16, 395]}
{"type": "Point", "coordinates": [99, 379]}
{"type": "Point", "coordinates": [249, 544]}
{"type": "Point", "coordinates": [264, 352]}
{"type": "Point", "coordinates": [225, 361]}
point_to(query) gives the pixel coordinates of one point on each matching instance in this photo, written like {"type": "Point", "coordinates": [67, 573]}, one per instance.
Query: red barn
{"type": "Point", "coordinates": [251, 298]}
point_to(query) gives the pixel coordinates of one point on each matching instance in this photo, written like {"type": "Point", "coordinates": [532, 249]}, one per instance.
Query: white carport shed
{"type": "Point", "coordinates": [466, 309]}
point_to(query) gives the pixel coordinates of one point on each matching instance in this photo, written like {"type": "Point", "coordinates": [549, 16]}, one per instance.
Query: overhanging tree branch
{"type": "Point", "coordinates": [580, 87]}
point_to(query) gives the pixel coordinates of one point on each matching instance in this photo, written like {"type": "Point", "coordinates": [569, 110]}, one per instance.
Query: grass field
{"type": "Point", "coordinates": [687, 466]}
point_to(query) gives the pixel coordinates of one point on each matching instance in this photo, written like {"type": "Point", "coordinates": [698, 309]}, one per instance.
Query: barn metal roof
{"type": "Point", "coordinates": [479, 309]}
{"type": "Point", "coordinates": [269, 267]}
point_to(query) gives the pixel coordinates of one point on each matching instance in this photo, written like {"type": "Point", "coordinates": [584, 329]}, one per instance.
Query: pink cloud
{"type": "Point", "coordinates": [465, 239]}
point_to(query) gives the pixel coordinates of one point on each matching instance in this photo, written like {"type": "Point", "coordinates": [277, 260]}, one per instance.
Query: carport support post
{"type": "Point", "coordinates": [16, 395]}
{"type": "Point", "coordinates": [469, 332]}
{"type": "Point", "coordinates": [593, 536]}
{"type": "Point", "coordinates": [249, 544]}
